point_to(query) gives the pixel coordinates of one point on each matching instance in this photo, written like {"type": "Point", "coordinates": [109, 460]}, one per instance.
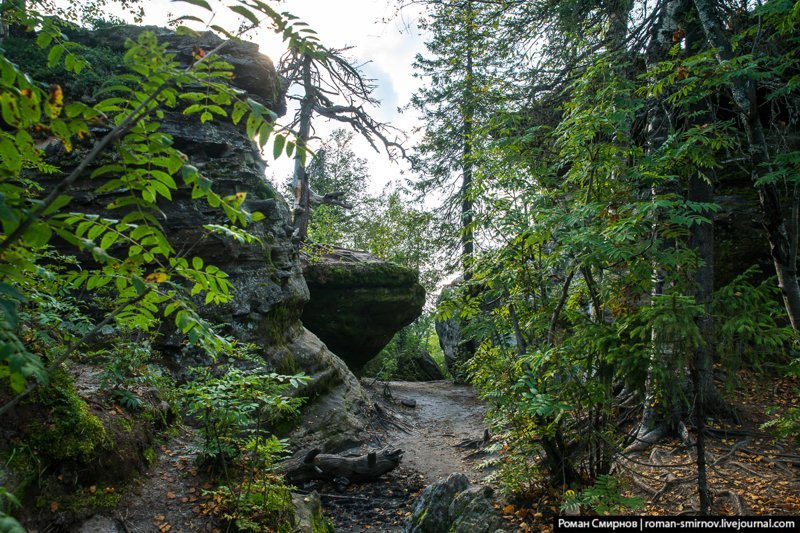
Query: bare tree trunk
{"type": "Point", "coordinates": [702, 240]}
{"type": "Point", "coordinates": [551, 331]}
{"type": "Point", "coordinates": [745, 98]}
{"type": "Point", "coordinates": [651, 428]}
{"type": "Point", "coordinates": [467, 216]}
{"type": "Point", "coordinates": [300, 185]}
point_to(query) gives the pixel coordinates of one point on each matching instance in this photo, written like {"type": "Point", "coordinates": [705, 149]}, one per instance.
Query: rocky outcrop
{"type": "Point", "coordinates": [453, 505]}
{"type": "Point", "coordinates": [253, 72]}
{"type": "Point", "coordinates": [269, 291]}
{"type": "Point", "coordinates": [457, 349]}
{"type": "Point", "coordinates": [359, 302]}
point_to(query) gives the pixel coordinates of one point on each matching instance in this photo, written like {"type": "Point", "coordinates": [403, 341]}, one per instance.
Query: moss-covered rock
{"type": "Point", "coordinates": [67, 450]}
{"type": "Point", "coordinates": [308, 517]}
{"type": "Point", "coordinates": [453, 505]}
{"type": "Point", "coordinates": [70, 431]}
{"type": "Point", "coordinates": [358, 303]}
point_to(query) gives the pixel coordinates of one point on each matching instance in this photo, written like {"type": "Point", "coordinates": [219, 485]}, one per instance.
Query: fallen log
{"type": "Point", "coordinates": [313, 464]}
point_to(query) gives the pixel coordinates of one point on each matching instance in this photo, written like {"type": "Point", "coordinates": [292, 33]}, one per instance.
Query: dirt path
{"type": "Point", "coordinates": [445, 416]}
{"type": "Point", "coordinates": [169, 496]}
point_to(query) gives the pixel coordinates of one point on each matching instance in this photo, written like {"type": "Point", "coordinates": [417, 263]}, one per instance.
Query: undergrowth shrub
{"type": "Point", "coordinates": [236, 411]}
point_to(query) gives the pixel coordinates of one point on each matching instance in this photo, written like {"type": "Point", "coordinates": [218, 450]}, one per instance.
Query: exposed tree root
{"type": "Point", "coordinates": [746, 469]}
{"type": "Point", "coordinates": [646, 438]}
{"type": "Point", "coordinates": [736, 501]}
{"type": "Point", "coordinates": [671, 483]}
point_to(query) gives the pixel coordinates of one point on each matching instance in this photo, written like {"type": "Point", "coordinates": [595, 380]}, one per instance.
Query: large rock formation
{"type": "Point", "coordinates": [453, 505]}
{"type": "Point", "coordinates": [253, 72]}
{"type": "Point", "coordinates": [269, 291]}
{"type": "Point", "coordinates": [456, 347]}
{"type": "Point", "coordinates": [359, 302]}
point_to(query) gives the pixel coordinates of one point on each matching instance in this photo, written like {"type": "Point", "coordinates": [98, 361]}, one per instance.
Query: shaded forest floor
{"type": "Point", "coordinates": [749, 471]}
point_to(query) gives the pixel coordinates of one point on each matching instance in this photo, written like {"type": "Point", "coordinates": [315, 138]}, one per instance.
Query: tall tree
{"type": "Point", "coordinates": [325, 84]}
{"type": "Point", "coordinates": [455, 105]}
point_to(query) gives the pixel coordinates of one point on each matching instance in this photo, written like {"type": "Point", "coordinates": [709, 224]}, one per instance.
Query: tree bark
{"type": "Point", "coordinates": [312, 464]}
{"type": "Point", "coordinates": [702, 240]}
{"type": "Point", "coordinates": [652, 428]}
{"type": "Point", "coordinates": [300, 185]}
{"type": "Point", "coordinates": [743, 92]}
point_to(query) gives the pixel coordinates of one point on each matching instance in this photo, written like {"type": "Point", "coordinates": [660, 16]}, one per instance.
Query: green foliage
{"type": "Point", "coordinates": [8, 523]}
{"type": "Point", "coordinates": [336, 168]}
{"type": "Point", "coordinates": [236, 403]}
{"type": "Point", "coordinates": [397, 359]}
{"type": "Point", "coordinates": [400, 233]}
{"type": "Point", "coordinates": [747, 323]}
{"type": "Point", "coordinates": [72, 279]}
{"type": "Point", "coordinates": [127, 367]}
{"type": "Point", "coordinates": [129, 255]}
{"type": "Point", "coordinates": [786, 424]}
{"type": "Point", "coordinates": [236, 410]}
{"type": "Point", "coordinates": [587, 281]}
{"type": "Point", "coordinates": [603, 498]}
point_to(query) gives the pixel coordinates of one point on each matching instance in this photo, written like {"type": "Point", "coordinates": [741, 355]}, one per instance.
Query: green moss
{"type": "Point", "coordinates": [322, 524]}
{"type": "Point", "coordinates": [92, 499]}
{"type": "Point", "coordinates": [150, 455]}
{"type": "Point", "coordinates": [125, 423]}
{"type": "Point", "coordinates": [276, 325]}
{"type": "Point", "coordinates": [360, 275]}
{"type": "Point", "coordinates": [71, 431]}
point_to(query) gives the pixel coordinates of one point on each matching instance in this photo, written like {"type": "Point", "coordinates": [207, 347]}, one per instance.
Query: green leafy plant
{"type": "Point", "coordinates": [8, 523]}
{"type": "Point", "coordinates": [236, 411]}
{"type": "Point", "coordinates": [603, 498]}
{"type": "Point", "coordinates": [747, 321]}
{"type": "Point", "coordinates": [787, 423]}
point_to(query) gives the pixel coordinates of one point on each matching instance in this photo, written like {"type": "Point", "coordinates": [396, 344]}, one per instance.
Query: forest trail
{"type": "Point", "coordinates": [445, 416]}
{"type": "Point", "coordinates": [170, 495]}
{"type": "Point", "coordinates": [438, 436]}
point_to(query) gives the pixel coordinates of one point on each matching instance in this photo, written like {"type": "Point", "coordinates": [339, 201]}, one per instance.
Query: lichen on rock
{"type": "Point", "coordinates": [453, 505]}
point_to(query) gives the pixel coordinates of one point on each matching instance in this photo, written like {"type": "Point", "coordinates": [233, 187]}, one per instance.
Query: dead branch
{"type": "Point", "coordinates": [331, 198]}
{"type": "Point", "coordinates": [312, 464]}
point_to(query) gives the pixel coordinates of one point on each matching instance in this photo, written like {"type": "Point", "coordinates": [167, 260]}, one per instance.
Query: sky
{"type": "Point", "coordinates": [382, 40]}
